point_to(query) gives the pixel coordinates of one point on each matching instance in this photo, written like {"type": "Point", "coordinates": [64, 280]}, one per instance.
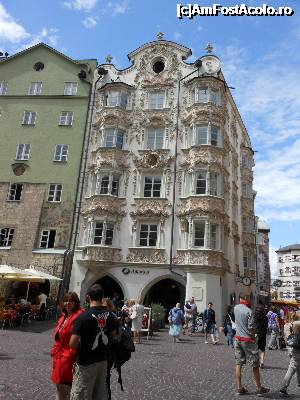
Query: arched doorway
{"type": "Point", "coordinates": [111, 288]}
{"type": "Point", "coordinates": [166, 292]}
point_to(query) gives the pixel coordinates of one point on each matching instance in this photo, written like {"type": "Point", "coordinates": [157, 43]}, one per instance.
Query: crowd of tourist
{"type": "Point", "coordinates": [83, 335]}
{"type": "Point", "coordinates": [246, 332]}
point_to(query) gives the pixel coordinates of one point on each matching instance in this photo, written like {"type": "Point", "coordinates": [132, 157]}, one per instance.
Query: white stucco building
{"type": "Point", "coordinates": [288, 271]}
{"type": "Point", "coordinates": [167, 208]}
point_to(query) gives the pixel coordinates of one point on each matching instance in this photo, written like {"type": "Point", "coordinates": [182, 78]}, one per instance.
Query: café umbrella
{"type": "Point", "coordinates": [40, 274]}
{"type": "Point", "coordinates": [9, 273]}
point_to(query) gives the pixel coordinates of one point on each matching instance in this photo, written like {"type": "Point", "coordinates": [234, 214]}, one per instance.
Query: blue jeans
{"type": "Point", "coordinates": [229, 336]}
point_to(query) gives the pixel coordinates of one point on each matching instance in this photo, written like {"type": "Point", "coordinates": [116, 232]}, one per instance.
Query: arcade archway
{"type": "Point", "coordinates": [111, 288]}
{"type": "Point", "coordinates": [166, 292]}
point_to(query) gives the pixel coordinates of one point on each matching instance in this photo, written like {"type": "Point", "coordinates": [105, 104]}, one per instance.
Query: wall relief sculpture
{"type": "Point", "coordinates": [103, 206]}
{"type": "Point", "coordinates": [102, 254]}
{"type": "Point", "coordinates": [204, 205]}
{"type": "Point", "coordinates": [147, 256]}
{"type": "Point", "coordinates": [153, 159]}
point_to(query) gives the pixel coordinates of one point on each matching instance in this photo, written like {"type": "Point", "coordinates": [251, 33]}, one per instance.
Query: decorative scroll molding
{"type": "Point", "coordinates": [146, 256]}
{"type": "Point", "coordinates": [235, 231]}
{"type": "Point", "coordinates": [110, 158]}
{"type": "Point", "coordinates": [151, 208]}
{"type": "Point", "coordinates": [206, 112]}
{"type": "Point", "coordinates": [248, 239]}
{"type": "Point", "coordinates": [153, 159]}
{"type": "Point", "coordinates": [208, 258]}
{"type": "Point", "coordinates": [168, 77]}
{"type": "Point", "coordinates": [102, 206]}
{"type": "Point", "coordinates": [102, 254]}
{"type": "Point", "coordinates": [247, 206]}
{"type": "Point", "coordinates": [112, 117]}
{"type": "Point", "coordinates": [247, 175]}
{"type": "Point", "coordinates": [203, 155]}
{"type": "Point", "coordinates": [202, 206]}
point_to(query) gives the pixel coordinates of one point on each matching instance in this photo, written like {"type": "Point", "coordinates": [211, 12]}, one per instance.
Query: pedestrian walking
{"type": "Point", "coordinates": [176, 319]}
{"type": "Point", "coordinates": [92, 333]}
{"type": "Point", "coordinates": [245, 347]}
{"type": "Point", "coordinates": [190, 314]}
{"type": "Point", "coordinates": [137, 313]}
{"type": "Point", "coordinates": [229, 326]}
{"type": "Point", "coordinates": [209, 320]}
{"type": "Point", "coordinates": [261, 330]}
{"type": "Point", "coordinates": [274, 327]}
{"type": "Point", "coordinates": [63, 357]}
{"type": "Point", "coordinates": [294, 355]}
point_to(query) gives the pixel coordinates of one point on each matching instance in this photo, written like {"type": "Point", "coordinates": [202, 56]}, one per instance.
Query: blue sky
{"type": "Point", "coordinates": [260, 59]}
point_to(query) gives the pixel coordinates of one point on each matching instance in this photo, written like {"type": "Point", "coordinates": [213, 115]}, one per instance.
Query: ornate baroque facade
{"type": "Point", "coordinates": [168, 183]}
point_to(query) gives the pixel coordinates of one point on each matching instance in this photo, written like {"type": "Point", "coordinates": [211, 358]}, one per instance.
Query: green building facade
{"type": "Point", "coordinates": [44, 102]}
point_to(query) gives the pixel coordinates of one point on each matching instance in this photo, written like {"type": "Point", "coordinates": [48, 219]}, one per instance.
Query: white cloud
{"type": "Point", "coordinates": [81, 5]}
{"type": "Point", "coordinates": [267, 94]}
{"type": "Point", "coordinates": [47, 35]}
{"type": "Point", "coordinates": [120, 8]}
{"type": "Point", "coordinates": [10, 30]}
{"type": "Point", "coordinates": [89, 22]}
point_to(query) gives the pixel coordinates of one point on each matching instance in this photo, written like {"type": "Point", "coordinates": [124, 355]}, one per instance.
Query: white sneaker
{"type": "Point", "coordinates": [206, 342]}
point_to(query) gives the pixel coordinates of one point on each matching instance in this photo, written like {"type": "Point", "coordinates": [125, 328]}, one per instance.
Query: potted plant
{"type": "Point", "coordinates": [158, 316]}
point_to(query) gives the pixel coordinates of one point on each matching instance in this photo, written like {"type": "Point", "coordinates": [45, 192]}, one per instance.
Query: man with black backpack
{"type": "Point", "coordinates": [92, 333]}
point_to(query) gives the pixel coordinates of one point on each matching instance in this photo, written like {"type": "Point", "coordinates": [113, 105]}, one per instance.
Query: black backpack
{"type": "Point", "coordinates": [118, 354]}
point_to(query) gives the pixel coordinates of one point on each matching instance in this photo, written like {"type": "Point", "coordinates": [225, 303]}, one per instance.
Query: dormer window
{"type": "Point", "coordinates": [116, 98]}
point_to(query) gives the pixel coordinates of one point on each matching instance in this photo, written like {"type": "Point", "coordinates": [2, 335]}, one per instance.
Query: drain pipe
{"type": "Point", "coordinates": [197, 64]}
{"type": "Point", "coordinates": [68, 256]}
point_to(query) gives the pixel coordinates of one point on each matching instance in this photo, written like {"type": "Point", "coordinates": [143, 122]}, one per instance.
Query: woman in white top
{"type": "Point", "coordinates": [137, 312]}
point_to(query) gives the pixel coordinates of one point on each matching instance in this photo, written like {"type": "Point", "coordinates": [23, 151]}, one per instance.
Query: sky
{"type": "Point", "coordinates": [260, 58]}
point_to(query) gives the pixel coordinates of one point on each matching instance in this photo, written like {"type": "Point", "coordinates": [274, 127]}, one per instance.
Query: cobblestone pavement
{"type": "Point", "coordinates": [158, 370]}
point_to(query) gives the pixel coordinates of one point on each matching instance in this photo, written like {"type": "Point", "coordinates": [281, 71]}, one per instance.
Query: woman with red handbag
{"type": "Point", "coordinates": [63, 357]}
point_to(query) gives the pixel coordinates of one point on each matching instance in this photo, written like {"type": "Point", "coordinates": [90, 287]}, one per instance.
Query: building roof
{"type": "Point", "coordinates": [79, 62]}
{"type": "Point", "coordinates": [295, 246]}
{"type": "Point", "coordinates": [186, 51]}
{"type": "Point", "coordinates": [262, 225]}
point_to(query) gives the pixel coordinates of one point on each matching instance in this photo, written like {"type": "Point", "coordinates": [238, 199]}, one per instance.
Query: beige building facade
{"type": "Point", "coordinates": [288, 272]}
{"type": "Point", "coordinates": [168, 206]}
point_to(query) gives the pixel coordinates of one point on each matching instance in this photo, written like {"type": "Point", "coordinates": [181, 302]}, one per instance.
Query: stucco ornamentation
{"type": "Point", "coordinates": [247, 206]}
{"type": "Point", "coordinates": [151, 208]}
{"type": "Point", "coordinates": [102, 206]}
{"type": "Point", "coordinates": [200, 257]}
{"type": "Point", "coordinates": [107, 254]}
{"type": "Point", "coordinates": [146, 255]}
{"type": "Point", "coordinates": [112, 158]}
{"type": "Point", "coordinates": [202, 206]}
{"type": "Point", "coordinates": [235, 231]}
{"type": "Point", "coordinates": [113, 117]}
{"type": "Point", "coordinates": [203, 155]}
{"type": "Point", "coordinates": [248, 239]}
{"type": "Point", "coordinates": [147, 78]}
{"type": "Point", "coordinates": [207, 112]}
{"type": "Point", "coordinates": [153, 159]}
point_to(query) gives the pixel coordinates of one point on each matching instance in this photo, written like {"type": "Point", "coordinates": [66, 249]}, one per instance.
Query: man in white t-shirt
{"type": "Point", "coordinates": [42, 298]}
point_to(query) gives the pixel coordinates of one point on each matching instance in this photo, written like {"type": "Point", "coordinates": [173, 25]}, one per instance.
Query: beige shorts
{"type": "Point", "coordinates": [89, 382]}
{"type": "Point", "coordinates": [246, 352]}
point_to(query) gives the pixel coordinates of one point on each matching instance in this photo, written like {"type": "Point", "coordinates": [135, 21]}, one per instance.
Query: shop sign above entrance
{"type": "Point", "coordinates": [133, 271]}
